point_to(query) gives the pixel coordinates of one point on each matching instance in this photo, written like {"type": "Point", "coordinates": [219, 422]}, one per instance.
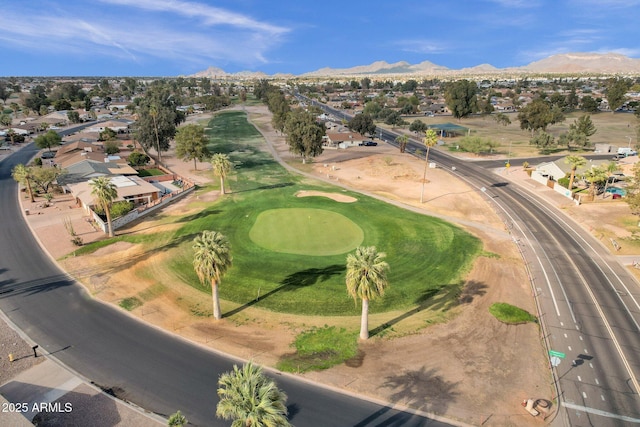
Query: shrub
{"type": "Point", "coordinates": [508, 313]}
{"type": "Point", "coordinates": [111, 147]}
{"type": "Point", "coordinates": [564, 182]}
{"type": "Point", "coordinates": [138, 159]}
{"type": "Point", "coordinates": [121, 208]}
{"type": "Point", "coordinates": [320, 348]}
{"type": "Point", "coordinates": [130, 303]}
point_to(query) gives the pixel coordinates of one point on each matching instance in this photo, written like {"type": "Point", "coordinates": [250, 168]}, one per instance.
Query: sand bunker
{"type": "Point", "coordinates": [333, 196]}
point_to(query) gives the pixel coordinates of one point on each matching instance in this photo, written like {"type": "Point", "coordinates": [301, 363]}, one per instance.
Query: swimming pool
{"type": "Point", "coordinates": [617, 190]}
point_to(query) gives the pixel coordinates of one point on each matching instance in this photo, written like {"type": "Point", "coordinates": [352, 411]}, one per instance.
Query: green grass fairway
{"type": "Point", "coordinates": [306, 232]}
{"type": "Point", "coordinates": [284, 261]}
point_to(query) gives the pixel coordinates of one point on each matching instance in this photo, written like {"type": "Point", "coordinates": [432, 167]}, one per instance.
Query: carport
{"type": "Point", "coordinates": [449, 129]}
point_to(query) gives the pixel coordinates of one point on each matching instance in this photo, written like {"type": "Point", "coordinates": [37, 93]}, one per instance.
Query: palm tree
{"type": "Point", "coordinates": [610, 168]}
{"type": "Point", "coordinates": [366, 279]}
{"type": "Point", "coordinates": [250, 399]}
{"type": "Point", "coordinates": [105, 193]}
{"type": "Point", "coordinates": [153, 112]}
{"type": "Point", "coordinates": [211, 261]}
{"type": "Point", "coordinates": [402, 141]}
{"type": "Point", "coordinates": [594, 175]}
{"type": "Point", "coordinates": [23, 174]}
{"type": "Point", "coordinates": [221, 167]}
{"type": "Point", "coordinates": [575, 162]}
{"type": "Point", "coordinates": [430, 139]}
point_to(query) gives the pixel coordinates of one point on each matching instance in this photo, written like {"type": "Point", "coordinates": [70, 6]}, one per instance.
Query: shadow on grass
{"type": "Point", "coordinates": [202, 214]}
{"type": "Point", "coordinates": [267, 187]}
{"type": "Point", "coordinates": [104, 271]}
{"type": "Point", "coordinates": [294, 281]}
{"type": "Point", "coordinates": [455, 294]}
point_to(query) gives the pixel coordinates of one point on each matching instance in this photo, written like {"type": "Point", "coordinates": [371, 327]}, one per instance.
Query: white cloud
{"type": "Point", "coordinates": [209, 34]}
{"type": "Point", "coordinates": [422, 46]}
{"type": "Point", "coordinates": [211, 16]}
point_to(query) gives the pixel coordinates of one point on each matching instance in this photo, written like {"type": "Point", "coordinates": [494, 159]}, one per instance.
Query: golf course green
{"type": "Point", "coordinates": [306, 231]}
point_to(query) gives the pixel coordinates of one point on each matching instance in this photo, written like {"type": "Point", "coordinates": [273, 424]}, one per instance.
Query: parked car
{"type": "Point", "coordinates": [369, 143]}
{"type": "Point", "coordinates": [48, 155]}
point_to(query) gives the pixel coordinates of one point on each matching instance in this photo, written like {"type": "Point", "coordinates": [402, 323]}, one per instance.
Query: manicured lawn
{"type": "Point", "coordinates": [305, 231]}
{"type": "Point", "coordinates": [150, 172]}
{"type": "Point", "coordinates": [426, 255]}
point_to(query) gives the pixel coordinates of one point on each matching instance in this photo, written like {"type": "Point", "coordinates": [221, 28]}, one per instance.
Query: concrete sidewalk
{"type": "Point", "coordinates": [49, 395]}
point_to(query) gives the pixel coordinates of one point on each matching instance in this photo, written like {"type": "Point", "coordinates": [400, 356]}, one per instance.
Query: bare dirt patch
{"type": "Point", "coordinates": [342, 198]}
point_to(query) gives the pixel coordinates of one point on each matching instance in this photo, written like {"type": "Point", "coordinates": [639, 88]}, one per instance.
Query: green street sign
{"type": "Point", "coordinates": [557, 354]}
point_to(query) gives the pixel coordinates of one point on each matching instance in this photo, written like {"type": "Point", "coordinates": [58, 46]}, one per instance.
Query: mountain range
{"type": "Point", "coordinates": [566, 63]}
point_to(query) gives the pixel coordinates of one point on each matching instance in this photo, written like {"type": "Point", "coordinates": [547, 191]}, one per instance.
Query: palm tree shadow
{"type": "Point", "coordinates": [202, 214]}
{"type": "Point", "coordinates": [422, 389]}
{"type": "Point", "coordinates": [427, 300]}
{"type": "Point", "coordinates": [267, 187]}
{"type": "Point", "coordinates": [295, 281]}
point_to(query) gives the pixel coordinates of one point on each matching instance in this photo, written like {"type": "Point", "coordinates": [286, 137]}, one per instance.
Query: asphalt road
{"type": "Point", "coordinates": [589, 303]}
{"type": "Point", "coordinates": [148, 367]}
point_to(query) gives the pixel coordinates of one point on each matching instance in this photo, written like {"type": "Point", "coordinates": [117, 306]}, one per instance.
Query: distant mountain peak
{"type": "Point", "coordinates": [564, 63]}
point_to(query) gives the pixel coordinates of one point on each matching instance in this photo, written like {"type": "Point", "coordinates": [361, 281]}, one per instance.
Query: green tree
{"type": "Point", "coordinates": [588, 104]}
{"type": "Point", "coordinates": [250, 399]}
{"type": "Point", "coordinates": [23, 174]}
{"type": "Point", "coordinates": [633, 190]}
{"type": "Point", "coordinates": [111, 147]}
{"type": "Point", "coordinates": [575, 162]}
{"type": "Point", "coordinates": [594, 175]}
{"type": "Point", "coordinates": [73, 116]}
{"type": "Point", "coordinates": [477, 145]}
{"type": "Point", "coordinates": [584, 128]}
{"type": "Point", "coordinates": [610, 168]}
{"type": "Point", "coordinates": [191, 144]}
{"type": "Point", "coordinates": [279, 107]}
{"type": "Point", "coordinates": [616, 93]}
{"type": "Point", "coordinates": [211, 261]}
{"type": "Point", "coordinates": [105, 192]}
{"type": "Point", "coordinates": [157, 121]}
{"type": "Point", "coordinates": [542, 140]}
{"type": "Point", "coordinates": [366, 279]}
{"type": "Point", "coordinates": [418, 126]}
{"type": "Point", "coordinates": [138, 159]}
{"type": "Point", "coordinates": [48, 140]}
{"type": "Point", "coordinates": [107, 134]}
{"type": "Point", "coordinates": [430, 139]}
{"type": "Point", "coordinates": [4, 92]}
{"type": "Point", "coordinates": [43, 178]}
{"type": "Point", "coordinates": [461, 99]}
{"type": "Point", "coordinates": [221, 168]}
{"type": "Point", "coordinates": [5, 120]}
{"type": "Point", "coordinates": [402, 141]}
{"type": "Point", "coordinates": [538, 115]}
{"type": "Point", "coordinates": [363, 124]}
{"type": "Point", "coordinates": [304, 134]}
{"type": "Point", "coordinates": [502, 119]}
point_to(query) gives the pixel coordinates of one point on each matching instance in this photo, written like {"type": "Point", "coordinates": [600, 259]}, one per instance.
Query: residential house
{"type": "Point", "coordinates": [130, 188]}
{"type": "Point", "coordinates": [343, 139]}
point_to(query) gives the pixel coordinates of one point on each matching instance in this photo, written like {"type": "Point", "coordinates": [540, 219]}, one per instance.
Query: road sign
{"type": "Point", "coordinates": [555, 361]}
{"type": "Point", "coordinates": [557, 354]}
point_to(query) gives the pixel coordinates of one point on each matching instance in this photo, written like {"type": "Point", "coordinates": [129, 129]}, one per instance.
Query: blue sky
{"type": "Point", "coordinates": [181, 37]}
